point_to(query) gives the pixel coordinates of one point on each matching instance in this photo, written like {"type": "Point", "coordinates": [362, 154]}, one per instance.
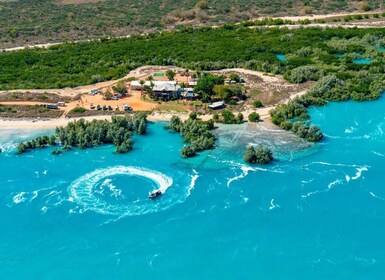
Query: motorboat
{"type": "Point", "coordinates": [155, 194]}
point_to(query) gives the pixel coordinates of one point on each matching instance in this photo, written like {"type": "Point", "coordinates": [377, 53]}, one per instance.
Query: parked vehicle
{"type": "Point", "coordinates": [98, 108]}
{"type": "Point", "coordinates": [109, 108]}
{"type": "Point", "coordinates": [52, 106]}
{"type": "Point", "coordinates": [125, 107]}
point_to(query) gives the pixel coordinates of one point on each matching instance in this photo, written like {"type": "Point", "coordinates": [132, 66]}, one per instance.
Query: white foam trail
{"type": "Point", "coordinates": [376, 196]}
{"type": "Point", "coordinates": [24, 196]}
{"type": "Point", "coordinates": [378, 154]}
{"type": "Point", "coordinates": [245, 199]}
{"type": "Point", "coordinates": [115, 192]}
{"type": "Point", "coordinates": [359, 172]}
{"type": "Point", "coordinates": [245, 171]}
{"type": "Point", "coordinates": [194, 178]}
{"type": "Point", "coordinates": [350, 130]}
{"type": "Point", "coordinates": [82, 191]}
{"type": "Point", "coordinates": [272, 205]}
{"type": "Point", "coordinates": [309, 194]}
{"type": "Point", "coordinates": [19, 198]}
{"type": "Point", "coordinates": [51, 193]}
{"type": "Point", "coordinates": [347, 178]}
{"type": "Point", "coordinates": [44, 209]}
{"type": "Point", "coordinates": [336, 182]}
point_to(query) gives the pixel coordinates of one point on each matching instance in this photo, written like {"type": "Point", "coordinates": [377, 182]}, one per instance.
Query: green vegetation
{"type": "Point", "coordinates": [79, 110]}
{"type": "Point", "coordinates": [199, 49]}
{"type": "Point", "coordinates": [296, 110]}
{"type": "Point", "coordinates": [254, 117]}
{"type": "Point", "coordinates": [28, 111]}
{"type": "Point", "coordinates": [229, 118]}
{"type": "Point", "coordinates": [83, 134]}
{"type": "Point", "coordinates": [259, 154]}
{"type": "Point", "coordinates": [206, 84]}
{"type": "Point", "coordinates": [197, 133]}
{"type": "Point", "coordinates": [120, 87]}
{"type": "Point", "coordinates": [257, 103]}
{"type": "Point", "coordinates": [228, 93]}
{"type": "Point", "coordinates": [38, 142]}
{"type": "Point", "coordinates": [170, 75]}
{"type": "Point", "coordinates": [7, 109]}
{"type": "Point", "coordinates": [56, 151]}
{"type": "Point", "coordinates": [27, 21]}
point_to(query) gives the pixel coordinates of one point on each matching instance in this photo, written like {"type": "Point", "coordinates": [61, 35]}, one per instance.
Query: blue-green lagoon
{"type": "Point", "coordinates": [317, 212]}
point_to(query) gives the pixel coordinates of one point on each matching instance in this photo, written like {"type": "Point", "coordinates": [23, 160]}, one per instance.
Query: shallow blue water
{"type": "Point", "coordinates": [316, 213]}
{"type": "Point", "coordinates": [364, 61]}
{"type": "Point", "coordinates": [281, 57]}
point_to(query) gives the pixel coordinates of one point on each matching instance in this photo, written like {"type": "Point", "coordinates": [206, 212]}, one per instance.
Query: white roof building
{"type": "Point", "coordinates": [158, 86]}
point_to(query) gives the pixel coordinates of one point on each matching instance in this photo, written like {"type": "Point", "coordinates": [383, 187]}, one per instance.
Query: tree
{"type": "Point", "coordinates": [120, 87]}
{"type": "Point", "coordinates": [235, 77]}
{"type": "Point", "coordinates": [259, 154]}
{"type": "Point", "coordinates": [202, 5]}
{"type": "Point", "coordinates": [229, 118]}
{"type": "Point", "coordinates": [254, 117]}
{"type": "Point", "coordinates": [226, 92]}
{"type": "Point", "coordinates": [257, 103]}
{"type": "Point", "coordinates": [364, 6]}
{"type": "Point", "coordinates": [56, 151]}
{"type": "Point", "coordinates": [187, 152]}
{"type": "Point", "coordinates": [193, 115]}
{"type": "Point", "coordinates": [170, 75]}
{"type": "Point", "coordinates": [107, 95]}
{"type": "Point", "coordinates": [205, 85]}
{"type": "Point", "coordinates": [250, 156]}
{"type": "Point", "coordinates": [141, 82]}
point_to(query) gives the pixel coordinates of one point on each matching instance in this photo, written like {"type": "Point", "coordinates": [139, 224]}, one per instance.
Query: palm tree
{"type": "Point", "coordinates": [141, 82]}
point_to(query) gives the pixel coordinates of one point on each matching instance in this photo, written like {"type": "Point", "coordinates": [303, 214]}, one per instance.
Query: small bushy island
{"type": "Point", "coordinates": [196, 132]}
{"type": "Point", "coordinates": [83, 134]}
{"type": "Point", "coordinates": [259, 154]}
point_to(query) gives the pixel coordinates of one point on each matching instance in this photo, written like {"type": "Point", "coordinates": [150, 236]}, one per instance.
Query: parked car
{"type": "Point", "coordinates": [104, 107]}
{"type": "Point", "coordinates": [98, 108]}
{"type": "Point", "coordinates": [92, 107]}
{"type": "Point", "coordinates": [109, 108]}
{"type": "Point", "coordinates": [127, 108]}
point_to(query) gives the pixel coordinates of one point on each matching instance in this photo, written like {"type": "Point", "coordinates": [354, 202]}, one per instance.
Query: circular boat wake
{"type": "Point", "coordinates": [97, 192]}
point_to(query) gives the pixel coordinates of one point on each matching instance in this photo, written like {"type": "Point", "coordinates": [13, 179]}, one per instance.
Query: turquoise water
{"type": "Point", "coordinates": [281, 57]}
{"type": "Point", "coordinates": [316, 213]}
{"type": "Point", "coordinates": [364, 61]}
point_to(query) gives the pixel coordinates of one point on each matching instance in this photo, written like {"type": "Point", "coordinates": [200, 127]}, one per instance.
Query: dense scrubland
{"type": "Point", "coordinates": [311, 53]}
{"type": "Point", "coordinates": [31, 22]}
